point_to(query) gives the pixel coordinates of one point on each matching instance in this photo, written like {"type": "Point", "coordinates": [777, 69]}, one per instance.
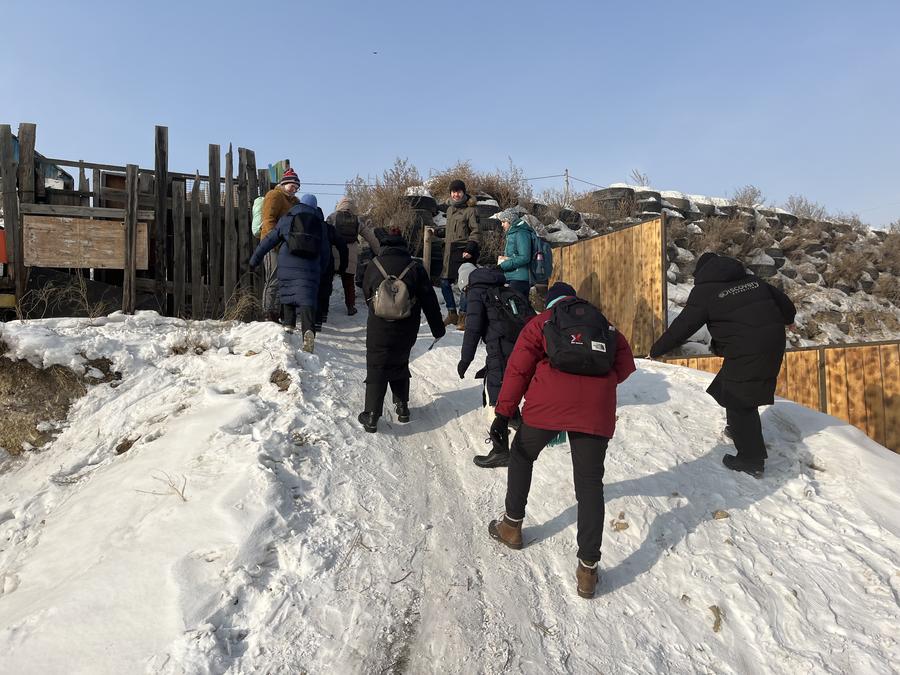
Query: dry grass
{"type": "Point", "coordinates": [728, 236]}
{"type": "Point", "coordinates": [243, 305]}
{"type": "Point", "coordinates": [890, 252]}
{"type": "Point", "coordinates": [846, 267]}
{"type": "Point", "coordinates": [507, 186]}
{"type": "Point", "coordinates": [30, 395]}
{"type": "Point", "coordinates": [384, 200]}
{"type": "Point", "coordinates": [888, 287]}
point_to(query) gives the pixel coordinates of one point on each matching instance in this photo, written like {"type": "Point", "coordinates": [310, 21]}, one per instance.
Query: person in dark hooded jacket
{"type": "Point", "coordinates": [746, 318]}
{"type": "Point", "coordinates": [333, 267]}
{"type": "Point", "coordinates": [298, 278]}
{"type": "Point", "coordinates": [484, 322]}
{"type": "Point", "coordinates": [389, 343]}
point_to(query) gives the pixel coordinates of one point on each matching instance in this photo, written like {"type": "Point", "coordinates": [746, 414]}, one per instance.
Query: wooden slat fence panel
{"type": "Point", "coordinates": [623, 273]}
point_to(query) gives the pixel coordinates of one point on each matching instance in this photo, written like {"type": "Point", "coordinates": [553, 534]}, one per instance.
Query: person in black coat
{"type": "Point", "coordinates": [746, 318]}
{"type": "Point", "coordinates": [388, 343]}
{"type": "Point", "coordinates": [483, 322]}
{"type": "Point", "coordinates": [327, 282]}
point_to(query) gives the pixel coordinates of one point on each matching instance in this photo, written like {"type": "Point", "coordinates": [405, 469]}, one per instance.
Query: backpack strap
{"type": "Point", "coordinates": [381, 268]}
{"type": "Point", "coordinates": [405, 269]}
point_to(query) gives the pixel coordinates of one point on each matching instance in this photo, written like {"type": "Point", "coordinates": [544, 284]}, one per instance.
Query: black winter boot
{"type": "Point", "coordinates": [735, 463]}
{"type": "Point", "coordinates": [402, 410]}
{"type": "Point", "coordinates": [497, 457]}
{"type": "Point", "coordinates": [369, 420]}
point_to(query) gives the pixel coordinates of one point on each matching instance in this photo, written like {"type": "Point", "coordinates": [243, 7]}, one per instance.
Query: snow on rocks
{"type": "Point", "coordinates": [249, 529]}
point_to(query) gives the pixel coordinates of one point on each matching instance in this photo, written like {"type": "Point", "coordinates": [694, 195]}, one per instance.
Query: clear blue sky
{"type": "Point", "coordinates": [794, 97]}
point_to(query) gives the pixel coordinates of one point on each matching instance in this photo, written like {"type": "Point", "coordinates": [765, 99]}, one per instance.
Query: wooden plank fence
{"type": "Point", "coordinates": [857, 383]}
{"type": "Point", "coordinates": [185, 237]}
{"type": "Point", "coordinates": [623, 273]}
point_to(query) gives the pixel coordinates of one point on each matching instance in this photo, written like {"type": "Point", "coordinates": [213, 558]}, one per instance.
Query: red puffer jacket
{"type": "Point", "coordinates": [556, 400]}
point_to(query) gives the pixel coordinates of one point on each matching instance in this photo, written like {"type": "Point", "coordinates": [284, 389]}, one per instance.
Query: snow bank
{"type": "Point", "coordinates": [304, 544]}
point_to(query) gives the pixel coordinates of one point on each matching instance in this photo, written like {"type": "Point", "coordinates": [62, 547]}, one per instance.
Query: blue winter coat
{"type": "Point", "coordinates": [518, 252]}
{"type": "Point", "coordinates": [298, 278]}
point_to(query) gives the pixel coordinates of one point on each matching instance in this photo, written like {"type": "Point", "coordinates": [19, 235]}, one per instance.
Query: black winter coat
{"type": "Point", "coordinates": [746, 319]}
{"type": "Point", "coordinates": [483, 322]}
{"type": "Point", "coordinates": [388, 343]}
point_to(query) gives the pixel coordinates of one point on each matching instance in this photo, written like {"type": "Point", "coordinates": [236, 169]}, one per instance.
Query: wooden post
{"type": "Point", "coordinates": [255, 280]}
{"type": "Point", "coordinates": [230, 263]}
{"type": "Point", "coordinates": [129, 297]}
{"type": "Point", "coordinates": [161, 175]}
{"type": "Point", "coordinates": [96, 187]}
{"type": "Point", "coordinates": [12, 223]}
{"type": "Point", "coordinates": [27, 133]}
{"type": "Point", "coordinates": [264, 184]}
{"type": "Point", "coordinates": [243, 222]}
{"type": "Point", "coordinates": [179, 246]}
{"type": "Point", "coordinates": [83, 199]}
{"type": "Point", "coordinates": [215, 230]}
{"type": "Point", "coordinates": [196, 251]}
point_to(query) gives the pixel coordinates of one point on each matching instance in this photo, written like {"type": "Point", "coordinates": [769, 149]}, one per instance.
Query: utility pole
{"type": "Point", "coordinates": [567, 187]}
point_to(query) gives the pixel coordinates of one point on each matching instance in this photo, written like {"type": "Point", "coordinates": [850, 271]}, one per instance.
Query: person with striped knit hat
{"type": "Point", "coordinates": [277, 202]}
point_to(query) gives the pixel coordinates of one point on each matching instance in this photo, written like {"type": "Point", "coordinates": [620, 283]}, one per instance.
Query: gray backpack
{"type": "Point", "coordinates": [392, 300]}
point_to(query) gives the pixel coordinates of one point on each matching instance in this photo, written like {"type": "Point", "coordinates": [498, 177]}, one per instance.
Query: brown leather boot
{"type": "Point", "coordinates": [461, 324]}
{"type": "Point", "coordinates": [452, 318]}
{"type": "Point", "coordinates": [586, 578]}
{"type": "Point", "coordinates": [507, 531]}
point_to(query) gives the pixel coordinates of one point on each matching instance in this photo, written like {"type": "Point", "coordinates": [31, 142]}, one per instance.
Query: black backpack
{"type": "Point", "coordinates": [305, 237]}
{"type": "Point", "coordinates": [579, 339]}
{"type": "Point", "coordinates": [511, 309]}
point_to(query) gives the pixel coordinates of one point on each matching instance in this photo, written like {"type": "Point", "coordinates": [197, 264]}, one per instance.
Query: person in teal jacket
{"type": "Point", "coordinates": [516, 259]}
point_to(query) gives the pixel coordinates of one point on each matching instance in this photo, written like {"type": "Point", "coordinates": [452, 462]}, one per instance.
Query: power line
{"type": "Point", "coordinates": [581, 180]}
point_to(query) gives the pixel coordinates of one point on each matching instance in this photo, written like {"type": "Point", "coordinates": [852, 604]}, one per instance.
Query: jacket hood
{"type": "Point", "coordinates": [712, 267]}
{"type": "Point", "coordinates": [488, 276]}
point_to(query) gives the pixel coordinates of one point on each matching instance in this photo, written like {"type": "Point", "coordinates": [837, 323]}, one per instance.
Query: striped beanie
{"type": "Point", "coordinates": [290, 178]}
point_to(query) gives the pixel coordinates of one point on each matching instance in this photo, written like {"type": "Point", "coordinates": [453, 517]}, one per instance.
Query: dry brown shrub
{"type": "Point", "coordinates": [847, 267]}
{"type": "Point", "coordinates": [890, 252]}
{"type": "Point", "coordinates": [748, 196]}
{"type": "Point", "coordinates": [243, 305]}
{"type": "Point", "coordinates": [805, 209]}
{"type": "Point", "coordinates": [384, 200]}
{"type": "Point", "coordinates": [888, 287]}
{"type": "Point", "coordinates": [507, 186]}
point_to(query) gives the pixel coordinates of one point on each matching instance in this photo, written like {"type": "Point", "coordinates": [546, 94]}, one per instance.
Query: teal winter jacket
{"type": "Point", "coordinates": [518, 252]}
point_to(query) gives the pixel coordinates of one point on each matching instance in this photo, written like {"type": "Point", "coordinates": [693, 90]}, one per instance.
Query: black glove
{"type": "Point", "coordinates": [500, 431]}
{"type": "Point", "coordinates": [461, 368]}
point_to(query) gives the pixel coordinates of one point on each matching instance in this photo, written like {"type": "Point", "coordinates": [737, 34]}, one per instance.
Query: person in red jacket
{"type": "Point", "coordinates": [555, 401]}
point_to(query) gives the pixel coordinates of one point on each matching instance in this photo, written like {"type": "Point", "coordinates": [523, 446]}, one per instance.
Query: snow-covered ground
{"type": "Point", "coordinates": [303, 544]}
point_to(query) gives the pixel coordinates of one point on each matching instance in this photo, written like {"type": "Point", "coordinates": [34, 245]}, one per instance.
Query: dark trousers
{"type": "Point", "coordinates": [377, 388]}
{"type": "Point", "coordinates": [588, 455]}
{"type": "Point", "coordinates": [349, 289]}
{"type": "Point", "coordinates": [447, 292]}
{"type": "Point", "coordinates": [306, 313]}
{"type": "Point", "coordinates": [746, 432]}
{"type": "Point", "coordinates": [522, 287]}
{"type": "Point", "coordinates": [324, 299]}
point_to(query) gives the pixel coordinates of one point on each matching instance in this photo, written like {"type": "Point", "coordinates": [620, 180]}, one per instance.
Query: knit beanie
{"type": "Point", "coordinates": [290, 178]}
{"type": "Point", "coordinates": [346, 204]}
{"type": "Point", "coordinates": [457, 186]}
{"type": "Point", "coordinates": [309, 200]}
{"type": "Point", "coordinates": [507, 216]}
{"type": "Point", "coordinates": [559, 290]}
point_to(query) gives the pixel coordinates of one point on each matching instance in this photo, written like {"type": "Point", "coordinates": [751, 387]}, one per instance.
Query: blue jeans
{"type": "Point", "coordinates": [447, 292]}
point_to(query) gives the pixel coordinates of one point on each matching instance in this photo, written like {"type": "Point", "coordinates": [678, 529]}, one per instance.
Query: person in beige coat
{"type": "Point", "coordinates": [462, 226]}
{"type": "Point", "coordinates": [350, 228]}
{"type": "Point", "coordinates": [277, 202]}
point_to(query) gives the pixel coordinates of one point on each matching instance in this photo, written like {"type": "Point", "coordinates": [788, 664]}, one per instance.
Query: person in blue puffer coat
{"type": "Point", "coordinates": [298, 278]}
{"type": "Point", "coordinates": [516, 259]}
